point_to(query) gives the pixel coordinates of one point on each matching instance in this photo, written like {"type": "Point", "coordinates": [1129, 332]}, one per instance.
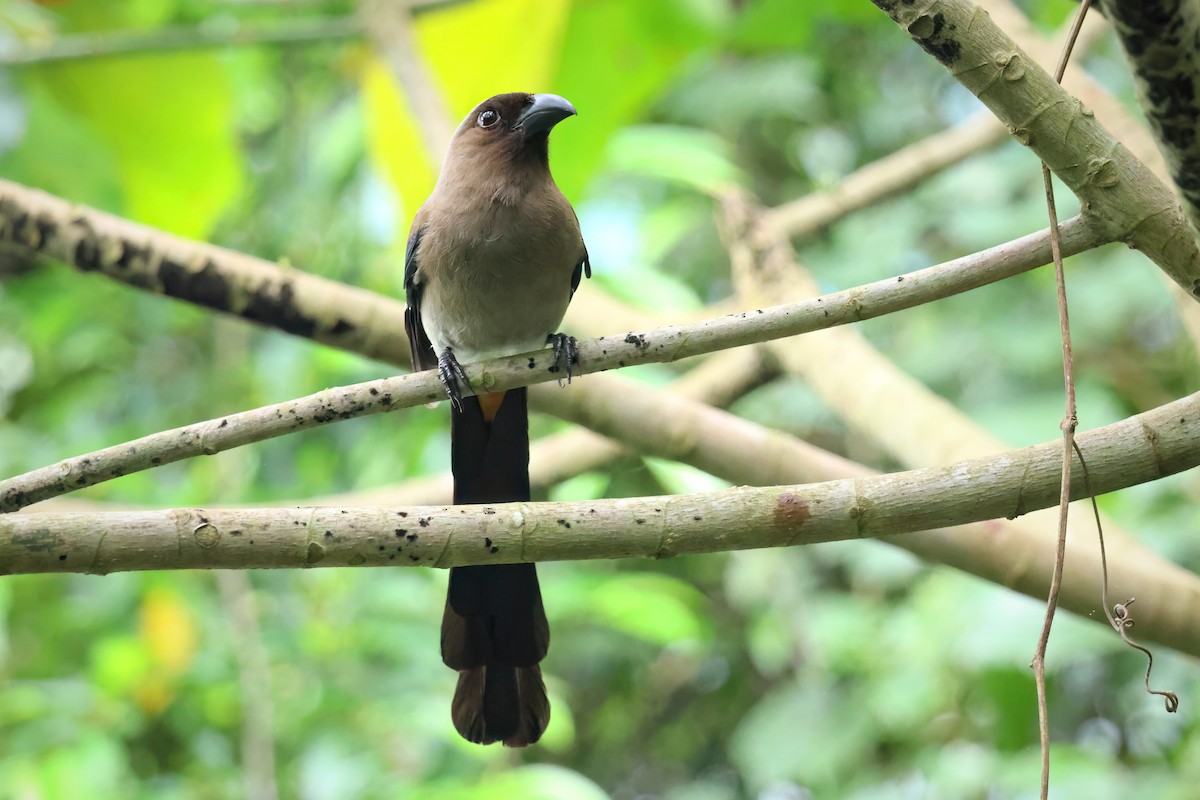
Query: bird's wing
{"type": "Point", "coordinates": [423, 356]}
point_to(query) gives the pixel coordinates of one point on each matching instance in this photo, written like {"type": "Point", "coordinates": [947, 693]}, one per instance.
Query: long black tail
{"type": "Point", "coordinates": [494, 629]}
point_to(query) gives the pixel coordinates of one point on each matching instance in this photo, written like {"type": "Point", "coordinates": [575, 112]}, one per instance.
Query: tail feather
{"type": "Point", "coordinates": [494, 629]}
{"type": "Point", "coordinates": [499, 703]}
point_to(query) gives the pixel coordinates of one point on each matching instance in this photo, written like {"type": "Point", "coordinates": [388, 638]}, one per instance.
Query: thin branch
{"type": "Point", "coordinates": [887, 176]}
{"type": "Point", "coordinates": [223, 33]}
{"type": "Point", "coordinates": [669, 343]}
{"type": "Point", "coordinates": [1108, 180]}
{"type": "Point", "coordinates": [1159, 38]}
{"type": "Point", "coordinates": [892, 174]}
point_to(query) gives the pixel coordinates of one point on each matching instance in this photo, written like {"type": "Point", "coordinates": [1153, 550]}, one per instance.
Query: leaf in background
{"type": "Point", "coordinates": [168, 122]}
{"type": "Point", "coordinates": [697, 159]}
{"type": "Point", "coordinates": [658, 609]}
{"type": "Point", "coordinates": [612, 84]}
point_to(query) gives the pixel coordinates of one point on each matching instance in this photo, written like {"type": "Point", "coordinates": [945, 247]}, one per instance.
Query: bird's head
{"type": "Point", "coordinates": [510, 129]}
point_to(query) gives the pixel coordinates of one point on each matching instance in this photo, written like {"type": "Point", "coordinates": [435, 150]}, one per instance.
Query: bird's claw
{"type": "Point", "coordinates": [453, 377]}
{"type": "Point", "coordinates": [566, 354]}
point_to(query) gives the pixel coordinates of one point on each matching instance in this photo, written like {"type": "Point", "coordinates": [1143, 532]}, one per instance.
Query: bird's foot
{"type": "Point", "coordinates": [566, 354]}
{"type": "Point", "coordinates": [453, 377]}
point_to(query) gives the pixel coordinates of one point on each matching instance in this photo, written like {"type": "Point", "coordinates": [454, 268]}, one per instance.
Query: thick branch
{"type": "Point", "coordinates": [209, 276]}
{"type": "Point", "coordinates": [1159, 37]}
{"type": "Point", "coordinates": [670, 343]}
{"type": "Point", "coordinates": [1143, 448]}
{"type": "Point", "coordinates": [1108, 180]}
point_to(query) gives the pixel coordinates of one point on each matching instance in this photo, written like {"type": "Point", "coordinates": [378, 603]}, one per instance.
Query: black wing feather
{"type": "Point", "coordinates": [421, 348]}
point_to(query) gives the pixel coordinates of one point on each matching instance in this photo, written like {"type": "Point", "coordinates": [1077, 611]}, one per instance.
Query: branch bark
{"type": "Point", "coordinates": [669, 343]}
{"type": "Point", "coordinates": [1159, 38]}
{"type": "Point", "coordinates": [1109, 181]}
{"type": "Point", "coordinates": [1142, 448]}
{"type": "Point", "coordinates": [213, 277]}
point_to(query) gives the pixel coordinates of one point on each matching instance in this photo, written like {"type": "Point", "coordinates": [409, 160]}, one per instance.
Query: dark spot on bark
{"type": "Point", "coordinates": [927, 31]}
{"type": "Point", "coordinates": [237, 532]}
{"type": "Point", "coordinates": [412, 537]}
{"type": "Point", "coordinates": [251, 541]}
{"type": "Point", "coordinates": [156, 461]}
{"type": "Point", "coordinates": [402, 513]}
{"type": "Point", "coordinates": [80, 481]}
{"type": "Point", "coordinates": [487, 542]}
{"type": "Point", "coordinates": [62, 557]}
{"type": "Point", "coordinates": [401, 531]}
{"type": "Point", "coordinates": [489, 511]}
{"type": "Point", "coordinates": [275, 305]}
{"type": "Point", "coordinates": [899, 279]}
{"type": "Point", "coordinates": [424, 522]}
{"type": "Point", "coordinates": [697, 518]}
{"type": "Point", "coordinates": [341, 327]}
{"type": "Point", "coordinates": [204, 287]}
{"type": "Point", "coordinates": [495, 550]}
{"type": "Point", "coordinates": [414, 558]}
{"type": "Point", "coordinates": [565, 524]}
{"type": "Point", "coordinates": [392, 557]}
{"type": "Point", "coordinates": [87, 253]}
{"type": "Point", "coordinates": [640, 521]}
{"type": "Point", "coordinates": [381, 548]}
{"type": "Point", "coordinates": [637, 340]}
{"type": "Point", "coordinates": [224, 422]}
{"type": "Point", "coordinates": [532, 363]}
{"type": "Point", "coordinates": [373, 391]}
{"type": "Point", "coordinates": [133, 255]}
{"type": "Point", "coordinates": [791, 511]}
{"type": "Point", "coordinates": [386, 400]}
{"type": "Point", "coordinates": [324, 416]}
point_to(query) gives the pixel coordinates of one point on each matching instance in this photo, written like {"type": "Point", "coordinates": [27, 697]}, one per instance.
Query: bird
{"type": "Point", "coordinates": [494, 256]}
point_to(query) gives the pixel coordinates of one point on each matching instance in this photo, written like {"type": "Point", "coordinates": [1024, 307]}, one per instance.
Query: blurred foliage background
{"type": "Point", "coordinates": [847, 670]}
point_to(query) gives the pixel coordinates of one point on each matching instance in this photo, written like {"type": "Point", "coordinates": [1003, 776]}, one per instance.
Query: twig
{"type": "Point", "coordinates": [1068, 425]}
{"type": "Point", "coordinates": [887, 176]}
{"type": "Point", "coordinates": [227, 33]}
{"type": "Point", "coordinates": [666, 344]}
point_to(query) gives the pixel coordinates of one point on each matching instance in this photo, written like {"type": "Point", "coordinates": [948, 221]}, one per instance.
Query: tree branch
{"type": "Point", "coordinates": [884, 177]}
{"type": "Point", "coordinates": [669, 343]}
{"type": "Point", "coordinates": [1109, 181]}
{"type": "Point", "coordinates": [1146, 447]}
{"type": "Point", "coordinates": [213, 277]}
{"type": "Point", "coordinates": [1159, 38]}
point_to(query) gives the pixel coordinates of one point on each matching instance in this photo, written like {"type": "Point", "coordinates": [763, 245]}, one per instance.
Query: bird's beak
{"type": "Point", "coordinates": [546, 111]}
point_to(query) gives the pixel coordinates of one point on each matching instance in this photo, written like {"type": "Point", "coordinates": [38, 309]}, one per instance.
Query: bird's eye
{"type": "Point", "coordinates": [488, 118]}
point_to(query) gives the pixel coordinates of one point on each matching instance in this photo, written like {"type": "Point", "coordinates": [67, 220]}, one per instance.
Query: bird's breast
{"type": "Point", "coordinates": [499, 286]}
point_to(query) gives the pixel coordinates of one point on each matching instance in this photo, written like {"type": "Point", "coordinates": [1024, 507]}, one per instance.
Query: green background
{"type": "Point", "coordinates": [848, 670]}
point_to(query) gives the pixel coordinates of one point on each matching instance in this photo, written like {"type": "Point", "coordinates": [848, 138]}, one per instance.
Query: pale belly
{"type": "Point", "coordinates": [498, 310]}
